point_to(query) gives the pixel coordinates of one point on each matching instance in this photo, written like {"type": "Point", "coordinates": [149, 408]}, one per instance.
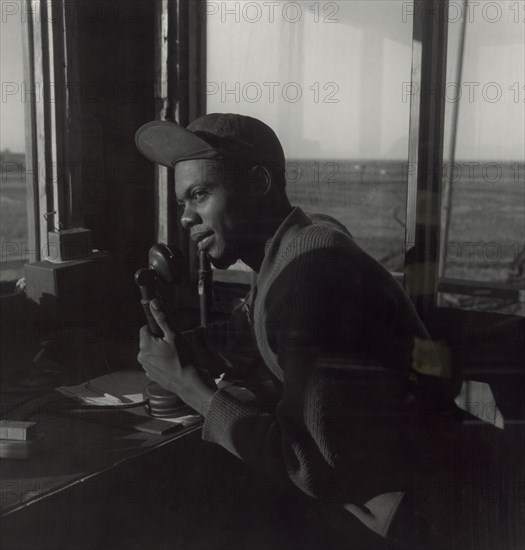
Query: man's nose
{"type": "Point", "coordinates": [189, 217]}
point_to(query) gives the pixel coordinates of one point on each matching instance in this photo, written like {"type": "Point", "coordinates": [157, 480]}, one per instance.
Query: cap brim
{"type": "Point", "coordinates": [167, 143]}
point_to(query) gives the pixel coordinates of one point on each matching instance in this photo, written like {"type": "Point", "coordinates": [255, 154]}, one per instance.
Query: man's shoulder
{"type": "Point", "coordinates": [324, 250]}
{"type": "Point", "coordinates": [328, 222]}
{"type": "Point", "coordinates": [313, 249]}
{"type": "Point", "coordinates": [323, 236]}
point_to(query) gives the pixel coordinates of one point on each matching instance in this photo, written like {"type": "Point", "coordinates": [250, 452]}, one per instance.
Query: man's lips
{"type": "Point", "coordinates": [203, 239]}
{"type": "Point", "coordinates": [205, 243]}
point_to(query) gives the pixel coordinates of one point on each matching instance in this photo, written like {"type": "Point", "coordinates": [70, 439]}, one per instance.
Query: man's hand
{"type": "Point", "coordinates": [161, 362]}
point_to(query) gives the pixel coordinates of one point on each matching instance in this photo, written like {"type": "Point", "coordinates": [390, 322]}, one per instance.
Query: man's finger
{"type": "Point", "coordinates": [144, 337]}
{"type": "Point", "coordinates": [161, 318]}
{"type": "Point", "coordinates": [150, 366]}
{"type": "Point", "coordinates": [154, 374]}
{"type": "Point", "coordinates": [150, 369]}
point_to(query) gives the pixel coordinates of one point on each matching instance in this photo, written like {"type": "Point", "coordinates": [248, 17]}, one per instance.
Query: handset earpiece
{"type": "Point", "coordinates": [168, 262]}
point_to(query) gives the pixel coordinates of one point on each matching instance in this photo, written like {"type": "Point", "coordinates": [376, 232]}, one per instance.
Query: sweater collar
{"type": "Point", "coordinates": [292, 224]}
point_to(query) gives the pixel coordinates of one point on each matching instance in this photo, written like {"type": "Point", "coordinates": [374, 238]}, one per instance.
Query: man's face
{"type": "Point", "coordinates": [211, 212]}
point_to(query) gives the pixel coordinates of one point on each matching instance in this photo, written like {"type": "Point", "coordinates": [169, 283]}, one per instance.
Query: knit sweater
{"type": "Point", "coordinates": [336, 332]}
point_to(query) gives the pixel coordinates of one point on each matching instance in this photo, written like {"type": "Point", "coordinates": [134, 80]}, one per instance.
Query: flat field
{"type": "Point", "coordinates": [486, 236]}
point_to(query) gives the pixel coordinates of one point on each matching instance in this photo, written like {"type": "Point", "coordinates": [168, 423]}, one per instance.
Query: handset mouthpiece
{"type": "Point", "coordinates": [145, 279]}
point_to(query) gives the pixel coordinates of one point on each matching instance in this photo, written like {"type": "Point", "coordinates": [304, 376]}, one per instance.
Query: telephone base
{"type": "Point", "coordinates": [161, 403]}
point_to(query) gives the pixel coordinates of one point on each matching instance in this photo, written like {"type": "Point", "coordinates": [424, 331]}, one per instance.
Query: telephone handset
{"type": "Point", "coordinates": [167, 266]}
{"type": "Point", "coordinates": [146, 280]}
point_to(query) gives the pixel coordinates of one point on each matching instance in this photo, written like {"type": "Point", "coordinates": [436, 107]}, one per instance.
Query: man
{"type": "Point", "coordinates": [361, 421]}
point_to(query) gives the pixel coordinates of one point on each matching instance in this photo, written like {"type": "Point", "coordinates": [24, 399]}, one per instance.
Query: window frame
{"type": "Point", "coordinates": [53, 136]}
{"type": "Point", "coordinates": [60, 119]}
{"type": "Point", "coordinates": [180, 68]}
{"type": "Point", "coordinates": [425, 192]}
{"type": "Point", "coordinates": [51, 126]}
{"type": "Point", "coordinates": [425, 158]}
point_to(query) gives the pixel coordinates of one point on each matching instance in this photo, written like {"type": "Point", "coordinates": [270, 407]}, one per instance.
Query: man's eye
{"type": "Point", "coordinates": [199, 196]}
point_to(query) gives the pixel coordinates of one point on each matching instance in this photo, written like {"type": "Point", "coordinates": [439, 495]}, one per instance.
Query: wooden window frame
{"type": "Point", "coordinates": [180, 69]}
{"type": "Point", "coordinates": [52, 123]}
{"type": "Point", "coordinates": [425, 158]}
{"type": "Point", "coordinates": [485, 346]}
{"type": "Point", "coordinates": [423, 251]}
{"type": "Point", "coordinates": [51, 126]}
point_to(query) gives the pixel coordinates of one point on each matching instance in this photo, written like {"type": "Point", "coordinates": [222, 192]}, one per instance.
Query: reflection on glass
{"type": "Point", "coordinates": [483, 207]}
{"type": "Point", "coordinates": [328, 78]}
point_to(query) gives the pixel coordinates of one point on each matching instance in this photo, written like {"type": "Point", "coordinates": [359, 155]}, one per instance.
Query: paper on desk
{"type": "Point", "coordinates": [186, 420]}
{"type": "Point", "coordinates": [118, 389]}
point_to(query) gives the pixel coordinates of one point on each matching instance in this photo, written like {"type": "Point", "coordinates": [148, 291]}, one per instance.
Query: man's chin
{"type": "Point", "coordinates": [221, 263]}
{"type": "Point", "coordinates": [222, 260]}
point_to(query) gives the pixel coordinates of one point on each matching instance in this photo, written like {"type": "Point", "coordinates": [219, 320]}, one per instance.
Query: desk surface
{"type": "Point", "coordinates": [71, 451]}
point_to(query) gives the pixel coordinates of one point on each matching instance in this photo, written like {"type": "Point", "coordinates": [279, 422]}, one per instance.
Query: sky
{"type": "Point", "coordinates": [334, 83]}
{"type": "Point", "coordinates": [368, 55]}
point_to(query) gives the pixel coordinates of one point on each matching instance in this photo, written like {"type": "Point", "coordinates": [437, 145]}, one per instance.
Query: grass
{"type": "Point", "coordinates": [13, 225]}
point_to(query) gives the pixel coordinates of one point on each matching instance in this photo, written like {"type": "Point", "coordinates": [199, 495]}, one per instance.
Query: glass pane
{"type": "Point", "coordinates": [13, 206]}
{"type": "Point", "coordinates": [483, 209]}
{"type": "Point", "coordinates": [328, 78]}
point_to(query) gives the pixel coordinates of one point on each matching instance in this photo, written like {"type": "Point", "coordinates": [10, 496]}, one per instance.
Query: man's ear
{"type": "Point", "coordinates": [260, 180]}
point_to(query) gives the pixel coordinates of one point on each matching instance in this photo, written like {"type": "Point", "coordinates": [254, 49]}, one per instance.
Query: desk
{"type": "Point", "coordinates": [96, 487]}
{"type": "Point", "coordinates": [85, 478]}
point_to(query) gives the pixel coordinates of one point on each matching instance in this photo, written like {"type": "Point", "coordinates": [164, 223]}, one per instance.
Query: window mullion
{"type": "Point", "coordinates": [179, 95]}
{"type": "Point", "coordinates": [163, 26]}
{"type": "Point", "coordinates": [33, 203]}
{"type": "Point", "coordinates": [49, 170]}
{"type": "Point", "coordinates": [426, 153]}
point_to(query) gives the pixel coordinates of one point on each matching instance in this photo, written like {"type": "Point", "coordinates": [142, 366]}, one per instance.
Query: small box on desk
{"type": "Point", "coordinates": [17, 438]}
{"type": "Point", "coordinates": [16, 430]}
{"type": "Point", "coordinates": [69, 244]}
